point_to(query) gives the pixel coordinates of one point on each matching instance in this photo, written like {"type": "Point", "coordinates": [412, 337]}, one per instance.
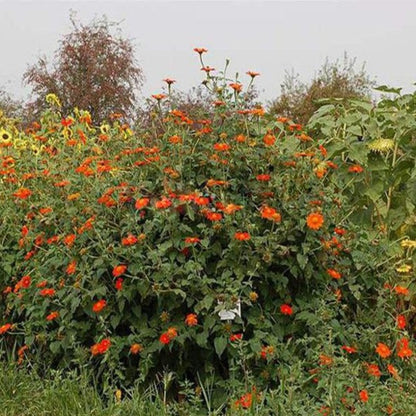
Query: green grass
{"type": "Point", "coordinates": [24, 393]}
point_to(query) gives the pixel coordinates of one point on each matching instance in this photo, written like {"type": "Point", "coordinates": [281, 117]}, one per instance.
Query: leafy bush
{"type": "Point", "coordinates": [123, 250]}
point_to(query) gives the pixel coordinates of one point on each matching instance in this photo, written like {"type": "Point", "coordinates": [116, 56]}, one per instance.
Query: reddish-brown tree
{"type": "Point", "coordinates": [93, 69]}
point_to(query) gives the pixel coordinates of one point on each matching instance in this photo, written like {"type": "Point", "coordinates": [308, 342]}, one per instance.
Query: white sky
{"type": "Point", "coordinates": [265, 36]}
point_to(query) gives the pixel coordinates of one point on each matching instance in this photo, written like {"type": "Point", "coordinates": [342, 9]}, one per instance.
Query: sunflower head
{"type": "Point", "coordinates": [5, 136]}
{"type": "Point", "coordinates": [381, 145]}
{"type": "Point", "coordinates": [104, 128]}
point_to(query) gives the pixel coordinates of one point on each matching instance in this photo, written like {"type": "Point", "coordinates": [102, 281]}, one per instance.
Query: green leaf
{"type": "Point", "coordinates": [220, 343]}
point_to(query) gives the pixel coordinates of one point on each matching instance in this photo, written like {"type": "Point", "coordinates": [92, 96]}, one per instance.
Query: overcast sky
{"type": "Point", "coordinates": [265, 36]}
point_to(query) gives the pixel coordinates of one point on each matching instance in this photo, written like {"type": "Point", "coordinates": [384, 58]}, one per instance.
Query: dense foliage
{"type": "Point", "coordinates": [222, 247]}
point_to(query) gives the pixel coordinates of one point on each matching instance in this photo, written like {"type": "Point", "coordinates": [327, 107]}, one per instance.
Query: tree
{"type": "Point", "coordinates": [298, 100]}
{"type": "Point", "coordinates": [93, 69]}
{"type": "Point", "coordinates": [9, 105]}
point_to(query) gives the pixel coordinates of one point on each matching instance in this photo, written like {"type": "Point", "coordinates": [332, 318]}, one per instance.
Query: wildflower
{"type": "Point", "coordinates": [69, 240]}
{"type": "Point", "coordinates": [236, 87]}
{"type": "Point", "coordinates": [270, 213]}
{"type": "Point", "coordinates": [5, 136]}
{"type": "Point", "coordinates": [334, 274]}
{"type": "Point", "coordinates": [175, 139]}
{"type": "Point", "coordinates": [25, 281]}
{"type": "Point", "coordinates": [71, 268]}
{"type": "Point", "coordinates": [355, 169]}
{"type": "Point", "coordinates": [164, 338]}
{"type": "Point", "coordinates": [119, 284]}
{"type": "Point", "coordinates": [236, 337]}
{"type": "Point", "coordinates": [242, 236]}
{"type": "Point", "coordinates": [315, 220]}
{"type": "Point", "coordinates": [404, 268]}
{"type": "Point", "coordinates": [129, 240]}
{"type": "Point", "coordinates": [136, 348]}
{"type": "Point", "coordinates": [400, 290]}
{"type": "Point", "coordinates": [325, 360]}
{"type": "Point", "coordinates": [286, 309]}
{"type": "Point", "coordinates": [269, 139]}
{"type": "Point", "coordinates": [403, 350]}
{"type": "Point", "coordinates": [253, 296]}
{"type": "Point", "coordinates": [159, 97]}
{"type": "Point", "coordinates": [253, 74]}
{"type": "Point", "coordinates": [163, 203]}
{"type": "Point", "coordinates": [142, 202]}
{"type": "Point", "coordinates": [392, 370]}
{"type": "Point", "coordinates": [169, 81]}
{"type": "Point", "coordinates": [363, 396]}
{"type": "Point", "coordinates": [213, 216]}
{"type": "Point", "coordinates": [373, 370]}
{"type": "Point", "coordinates": [191, 319]}
{"type": "Point", "coordinates": [4, 328]}
{"type": "Point", "coordinates": [192, 240]}
{"type": "Point", "coordinates": [207, 69]}
{"type": "Point", "coordinates": [221, 147]}
{"type": "Point", "coordinates": [263, 177]}
{"type": "Point", "coordinates": [349, 350]}
{"type": "Point", "coordinates": [381, 145]}
{"type": "Point", "coordinates": [52, 316]}
{"type": "Point", "coordinates": [230, 208]}
{"type": "Point", "coordinates": [119, 270]}
{"type": "Point", "coordinates": [200, 50]}
{"type": "Point", "coordinates": [266, 350]}
{"type": "Point", "coordinates": [47, 292]}
{"type": "Point", "coordinates": [22, 193]}
{"type": "Point", "coordinates": [406, 243]}
{"type": "Point", "coordinates": [101, 347]}
{"type": "Point", "coordinates": [99, 306]}
{"type": "Point", "coordinates": [383, 350]}
{"type": "Point", "coordinates": [401, 322]}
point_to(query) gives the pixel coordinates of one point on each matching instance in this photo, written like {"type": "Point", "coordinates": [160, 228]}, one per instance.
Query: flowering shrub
{"type": "Point", "coordinates": [218, 245]}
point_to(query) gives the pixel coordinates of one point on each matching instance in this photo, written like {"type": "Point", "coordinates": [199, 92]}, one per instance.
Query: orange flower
{"type": "Point", "coordinates": [392, 370]}
{"type": "Point", "coordinates": [373, 370]}
{"type": "Point", "coordinates": [270, 213]}
{"type": "Point", "coordinates": [101, 347]}
{"type": "Point", "coordinates": [236, 87]}
{"type": "Point", "coordinates": [52, 316]}
{"type": "Point", "coordinates": [119, 284]}
{"type": "Point", "coordinates": [142, 202]}
{"type": "Point", "coordinates": [4, 328]}
{"type": "Point", "coordinates": [229, 209]}
{"type": "Point", "coordinates": [325, 360]}
{"type": "Point", "coordinates": [240, 138]}
{"type": "Point", "coordinates": [355, 169]}
{"type": "Point", "coordinates": [383, 350]}
{"type": "Point", "coordinates": [163, 203]}
{"type": "Point", "coordinates": [200, 50]}
{"type": "Point", "coordinates": [286, 309]}
{"type": "Point", "coordinates": [242, 236]}
{"type": "Point", "coordinates": [164, 338]}
{"type": "Point", "coordinates": [191, 319]}
{"type": "Point", "coordinates": [71, 268]}
{"type": "Point", "coordinates": [175, 139]}
{"type": "Point", "coordinates": [213, 216]}
{"type": "Point", "coordinates": [401, 322]}
{"type": "Point", "coordinates": [99, 306]}
{"type": "Point", "coordinates": [315, 220]}
{"type": "Point", "coordinates": [47, 292]}
{"type": "Point", "coordinates": [129, 240]}
{"type": "Point", "coordinates": [119, 270]}
{"type": "Point", "coordinates": [400, 290]}
{"type": "Point", "coordinates": [263, 177]}
{"type": "Point", "coordinates": [172, 333]}
{"type": "Point", "coordinates": [136, 348]}
{"type": "Point", "coordinates": [159, 97]}
{"type": "Point", "coordinates": [363, 396]}
{"type": "Point", "coordinates": [253, 74]}
{"type": "Point", "coordinates": [334, 274]}
{"type": "Point", "coordinates": [25, 281]}
{"type": "Point", "coordinates": [23, 193]}
{"type": "Point", "coordinates": [192, 240]}
{"type": "Point", "coordinates": [236, 337]}
{"type": "Point", "coordinates": [403, 350]}
{"type": "Point", "coordinates": [349, 350]}
{"type": "Point", "coordinates": [269, 139]}
{"type": "Point", "coordinates": [69, 240]}
{"type": "Point", "coordinates": [221, 147]}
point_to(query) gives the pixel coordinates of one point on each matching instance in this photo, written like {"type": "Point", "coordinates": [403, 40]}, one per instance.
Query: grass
{"type": "Point", "coordinates": [24, 393]}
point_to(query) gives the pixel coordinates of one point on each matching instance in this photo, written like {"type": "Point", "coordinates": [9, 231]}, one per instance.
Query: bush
{"type": "Point", "coordinates": [121, 252]}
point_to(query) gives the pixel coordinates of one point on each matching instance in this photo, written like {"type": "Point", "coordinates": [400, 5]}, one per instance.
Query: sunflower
{"type": "Point", "coordinates": [104, 128]}
{"type": "Point", "coordinates": [381, 145]}
{"type": "Point", "coordinates": [5, 136]}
